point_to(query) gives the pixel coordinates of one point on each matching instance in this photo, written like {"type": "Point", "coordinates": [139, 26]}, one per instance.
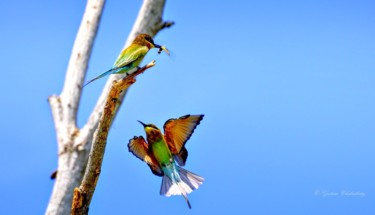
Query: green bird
{"type": "Point", "coordinates": [132, 56]}
{"type": "Point", "coordinates": [161, 152]}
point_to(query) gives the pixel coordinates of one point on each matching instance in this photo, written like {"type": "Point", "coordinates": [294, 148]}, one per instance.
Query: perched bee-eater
{"type": "Point", "coordinates": [132, 56]}
{"type": "Point", "coordinates": [161, 151]}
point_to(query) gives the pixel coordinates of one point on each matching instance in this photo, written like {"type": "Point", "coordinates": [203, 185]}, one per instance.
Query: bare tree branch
{"type": "Point", "coordinates": [72, 161]}
{"type": "Point", "coordinates": [79, 59]}
{"type": "Point", "coordinates": [74, 144]}
{"type": "Point", "coordinates": [83, 194]}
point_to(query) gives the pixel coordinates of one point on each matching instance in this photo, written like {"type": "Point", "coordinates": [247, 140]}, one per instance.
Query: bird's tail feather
{"type": "Point", "coordinates": [111, 71]}
{"type": "Point", "coordinates": [181, 184]}
{"type": "Point", "coordinates": [192, 179]}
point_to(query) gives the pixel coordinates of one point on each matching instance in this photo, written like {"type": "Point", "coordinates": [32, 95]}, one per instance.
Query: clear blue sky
{"type": "Point", "coordinates": [287, 89]}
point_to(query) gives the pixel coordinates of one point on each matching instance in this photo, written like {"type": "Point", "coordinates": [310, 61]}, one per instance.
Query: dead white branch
{"type": "Point", "coordinates": [73, 143]}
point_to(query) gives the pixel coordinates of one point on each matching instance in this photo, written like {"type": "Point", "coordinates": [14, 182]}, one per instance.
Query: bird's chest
{"type": "Point", "coordinates": [161, 152]}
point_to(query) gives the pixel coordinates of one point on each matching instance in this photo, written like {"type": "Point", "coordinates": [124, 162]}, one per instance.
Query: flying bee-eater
{"type": "Point", "coordinates": [132, 56]}
{"type": "Point", "coordinates": [160, 152]}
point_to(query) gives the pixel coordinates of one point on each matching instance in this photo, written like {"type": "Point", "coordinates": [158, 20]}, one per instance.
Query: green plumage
{"type": "Point", "coordinates": [161, 152]}
{"type": "Point", "coordinates": [130, 57]}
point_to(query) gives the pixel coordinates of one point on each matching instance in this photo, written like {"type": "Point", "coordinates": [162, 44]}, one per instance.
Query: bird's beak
{"type": "Point", "coordinates": [161, 48]}
{"type": "Point", "coordinates": [144, 125]}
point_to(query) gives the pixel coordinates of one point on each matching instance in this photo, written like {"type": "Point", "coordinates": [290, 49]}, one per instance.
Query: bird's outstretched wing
{"type": "Point", "coordinates": [139, 148]}
{"type": "Point", "coordinates": [177, 132]}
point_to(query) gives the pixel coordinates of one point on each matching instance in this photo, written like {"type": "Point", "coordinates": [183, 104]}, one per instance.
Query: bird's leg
{"type": "Point", "coordinates": [127, 74]}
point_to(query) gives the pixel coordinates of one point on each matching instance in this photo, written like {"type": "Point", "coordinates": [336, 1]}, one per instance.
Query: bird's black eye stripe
{"type": "Point", "coordinates": [149, 39]}
{"type": "Point", "coordinates": [153, 126]}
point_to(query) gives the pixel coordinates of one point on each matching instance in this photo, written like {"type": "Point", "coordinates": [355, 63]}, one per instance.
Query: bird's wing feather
{"type": "Point", "coordinates": [181, 157]}
{"type": "Point", "coordinates": [178, 131]}
{"type": "Point", "coordinates": [130, 54]}
{"type": "Point", "coordinates": [139, 148]}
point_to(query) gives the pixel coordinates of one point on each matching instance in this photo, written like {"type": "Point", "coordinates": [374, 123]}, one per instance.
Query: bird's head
{"type": "Point", "coordinates": [146, 40]}
{"type": "Point", "coordinates": [152, 131]}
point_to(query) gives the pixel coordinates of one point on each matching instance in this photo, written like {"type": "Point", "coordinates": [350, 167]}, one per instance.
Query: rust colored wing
{"type": "Point", "coordinates": [181, 157]}
{"type": "Point", "coordinates": [139, 148]}
{"type": "Point", "coordinates": [177, 132]}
